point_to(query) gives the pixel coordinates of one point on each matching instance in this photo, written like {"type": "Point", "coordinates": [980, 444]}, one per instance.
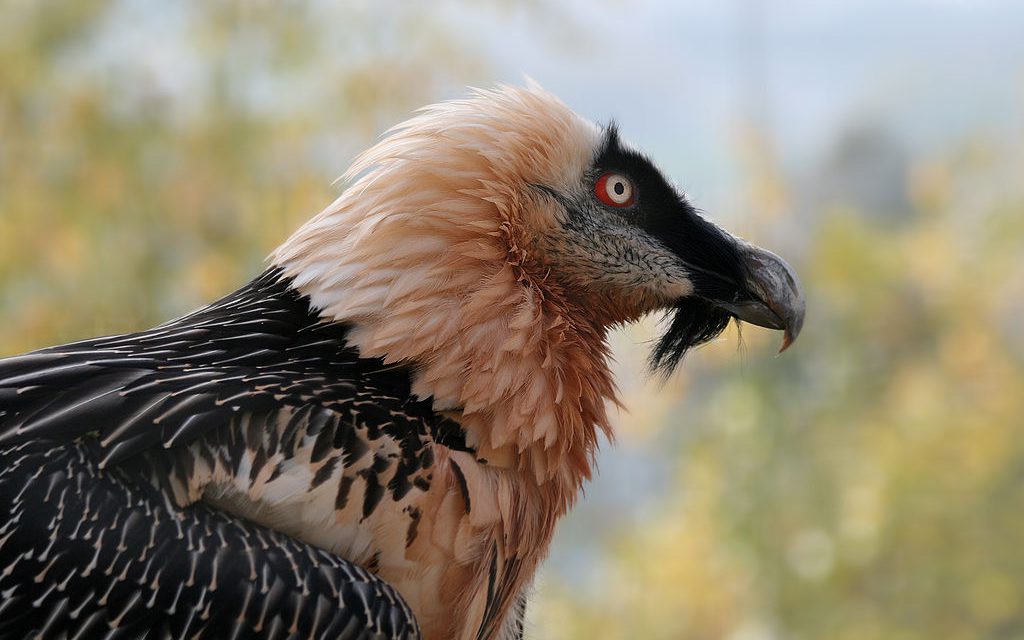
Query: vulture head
{"type": "Point", "coordinates": [511, 186]}
{"type": "Point", "coordinates": [512, 179]}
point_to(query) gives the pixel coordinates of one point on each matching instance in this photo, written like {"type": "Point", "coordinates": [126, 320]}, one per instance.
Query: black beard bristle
{"type": "Point", "coordinates": [694, 322]}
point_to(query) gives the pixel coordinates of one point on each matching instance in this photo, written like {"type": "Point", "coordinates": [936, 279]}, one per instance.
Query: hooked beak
{"type": "Point", "coordinates": [773, 296]}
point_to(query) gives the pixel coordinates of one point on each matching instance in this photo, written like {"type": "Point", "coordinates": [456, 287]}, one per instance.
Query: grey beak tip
{"type": "Point", "coordinates": [780, 295]}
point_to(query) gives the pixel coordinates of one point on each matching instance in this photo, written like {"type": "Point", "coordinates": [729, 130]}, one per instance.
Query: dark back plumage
{"type": "Point", "coordinates": [257, 349]}
{"type": "Point", "coordinates": [92, 534]}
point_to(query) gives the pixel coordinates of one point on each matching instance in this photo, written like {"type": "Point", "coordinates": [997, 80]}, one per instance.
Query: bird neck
{"type": "Point", "coordinates": [495, 348]}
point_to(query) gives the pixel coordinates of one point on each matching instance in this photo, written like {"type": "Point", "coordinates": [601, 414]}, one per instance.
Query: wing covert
{"type": "Point", "coordinates": [255, 351]}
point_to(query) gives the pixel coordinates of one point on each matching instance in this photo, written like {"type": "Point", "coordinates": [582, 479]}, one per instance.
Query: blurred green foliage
{"type": "Point", "coordinates": [868, 484]}
{"type": "Point", "coordinates": [152, 154]}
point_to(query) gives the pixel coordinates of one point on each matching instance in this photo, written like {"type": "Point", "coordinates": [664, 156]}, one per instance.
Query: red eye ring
{"type": "Point", "coordinates": [615, 190]}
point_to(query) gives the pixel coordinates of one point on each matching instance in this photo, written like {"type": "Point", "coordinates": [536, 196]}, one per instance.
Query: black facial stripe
{"type": "Point", "coordinates": [710, 256]}
{"type": "Point", "coordinates": [713, 261]}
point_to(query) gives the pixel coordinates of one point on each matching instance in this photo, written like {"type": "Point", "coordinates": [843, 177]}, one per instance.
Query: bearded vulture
{"type": "Point", "coordinates": [375, 437]}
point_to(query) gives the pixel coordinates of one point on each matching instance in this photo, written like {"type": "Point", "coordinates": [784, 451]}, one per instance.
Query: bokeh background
{"type": "Point", "coordinates": [867, 484]}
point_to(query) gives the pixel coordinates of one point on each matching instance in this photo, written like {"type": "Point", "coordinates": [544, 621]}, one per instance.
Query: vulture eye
{"type": "Point", "coordinates": [614, 189]}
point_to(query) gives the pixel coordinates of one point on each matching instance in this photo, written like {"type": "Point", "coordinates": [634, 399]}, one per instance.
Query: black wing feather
{"type": "Point", "coordinates": [71, 415]}
{"type": "Point", "coordinates": [92, 553]}
{"type": "Point", "coordinates": [258, 349]}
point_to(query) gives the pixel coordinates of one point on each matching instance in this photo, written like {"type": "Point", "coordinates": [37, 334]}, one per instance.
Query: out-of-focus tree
{"type": "Point", "coordinates": [151, 154]}
{"type": "Point", "coordinates": [868, 483]}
